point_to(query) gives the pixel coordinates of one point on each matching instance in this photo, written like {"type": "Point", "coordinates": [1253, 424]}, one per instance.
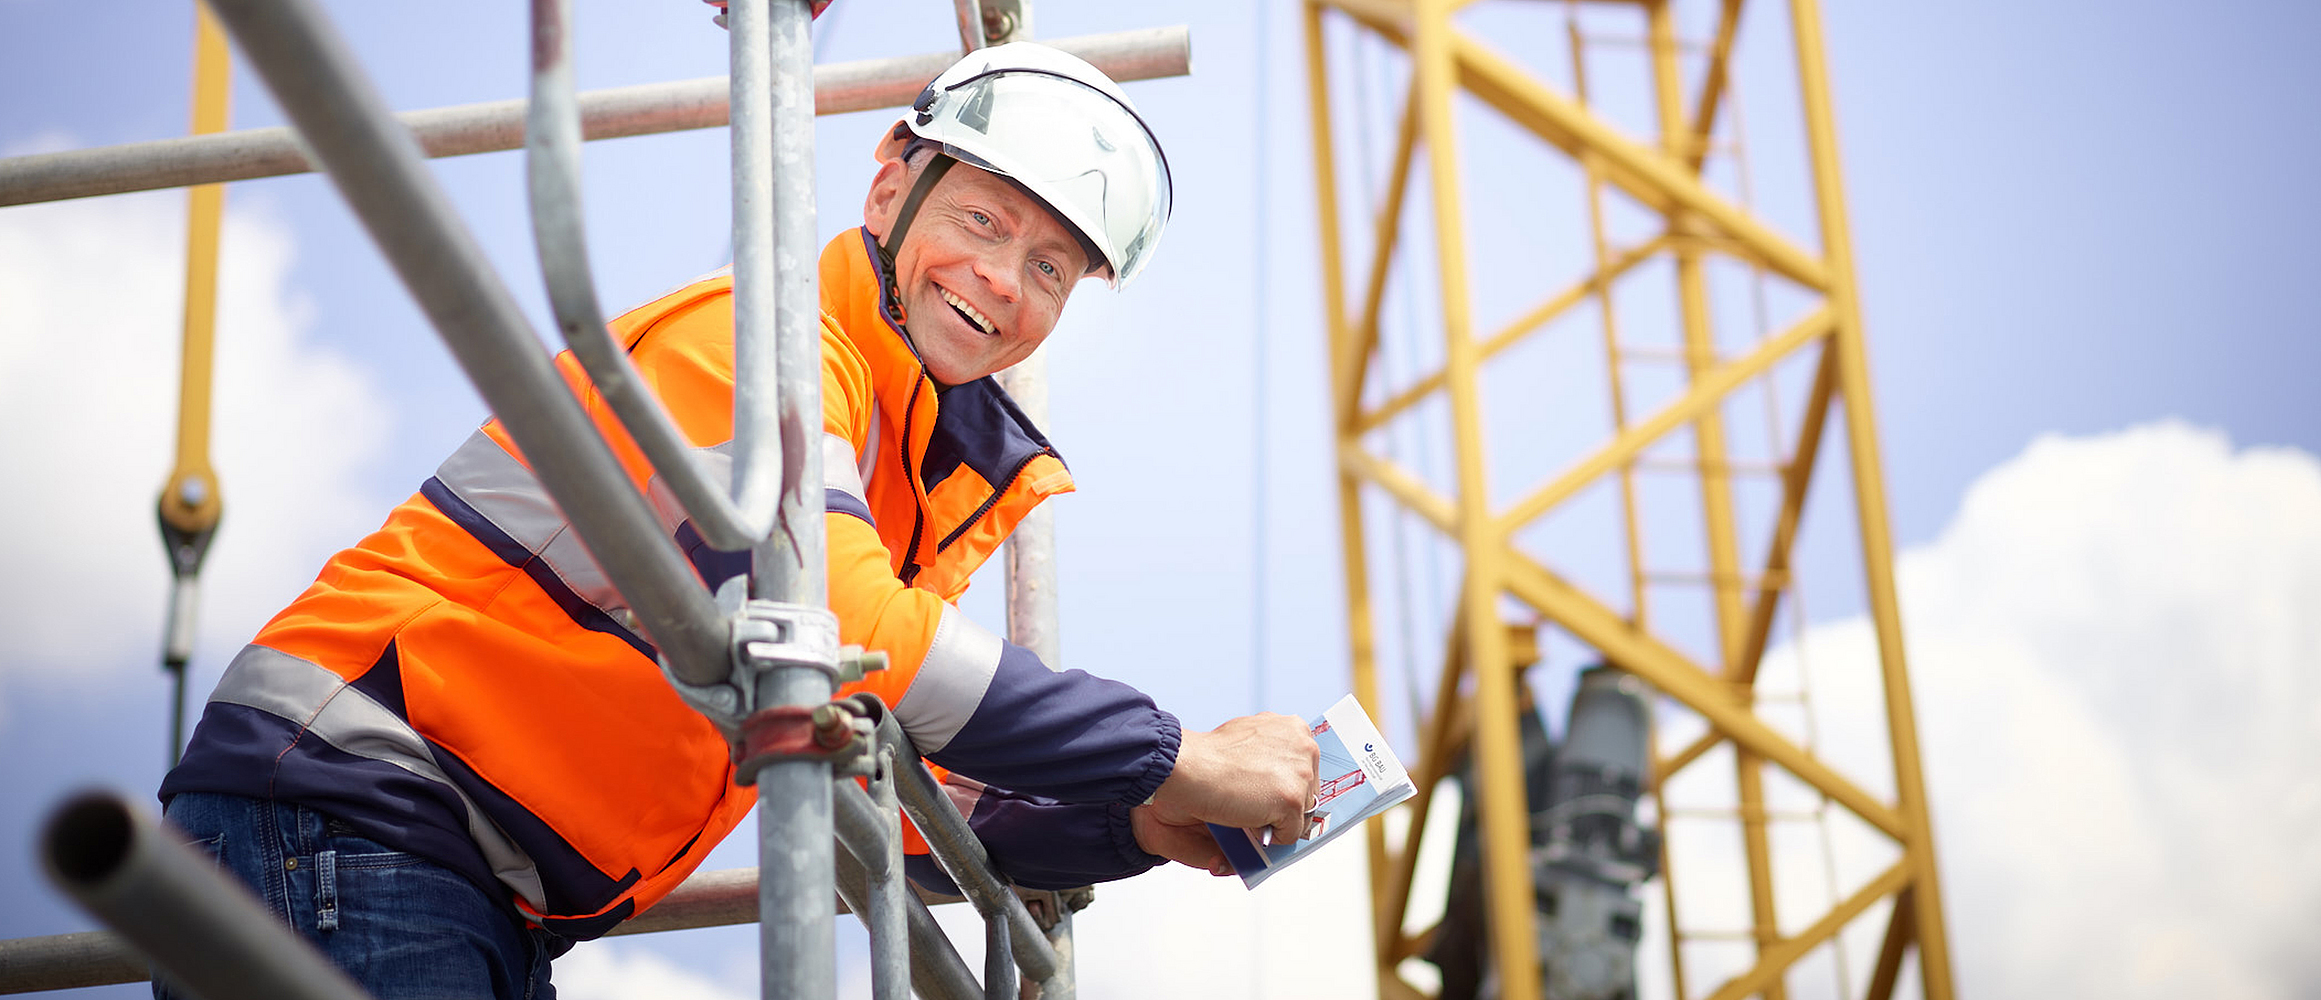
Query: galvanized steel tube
{"type": "Point", "coordinates": [871, 830]}
{"type": "Point", "coordinates": [68, 961]}
{"type": "Point", "coordinates": [937, 971]}
{"type": "Point", "coordinates": [377, 168]}
{"type": "Point", "coordinates": [466, 129]}
{"type": "Point", "coordinates": [1032, 618]}
{"type": "Point", "coordinates": [552, 162]}
{"type": "Point", "coordinates": [790, 563]}
{"type": "Point", "coordinates": [756, 352]}
{"type": "Point", "coordinates": [954, 844]}
{"type": "Point", "coordinates": [998, 965]}
{"type": "Point", "coordinates": [796, 941]}
{"type": "Point", "coordinates": [204, 930]}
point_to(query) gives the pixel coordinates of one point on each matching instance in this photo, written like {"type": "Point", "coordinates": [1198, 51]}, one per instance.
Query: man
{"type": "Point", "coordinates": [454, 754]}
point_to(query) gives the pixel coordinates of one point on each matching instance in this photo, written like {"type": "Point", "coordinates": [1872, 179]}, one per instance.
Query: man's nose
{"type": "Point", "coordinates": [999, 271]}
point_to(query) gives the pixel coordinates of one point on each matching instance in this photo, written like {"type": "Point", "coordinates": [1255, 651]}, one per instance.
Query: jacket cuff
{"type": "Point", "coordinates": [1134, 859]}
{"type": "Point", "coordinates": [1159, 764]}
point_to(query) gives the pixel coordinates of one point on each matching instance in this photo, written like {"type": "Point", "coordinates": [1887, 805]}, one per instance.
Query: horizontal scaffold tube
{"type": "Point", "coordinates": [465, 129]}
{"type": "Point", "coordinates": [100, 958]}
{"type": "Point", "coordinates": [177, 907]}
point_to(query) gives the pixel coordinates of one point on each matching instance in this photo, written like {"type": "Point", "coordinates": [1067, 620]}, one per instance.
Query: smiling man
{"type": "Point", "coordinates": [454, 754]}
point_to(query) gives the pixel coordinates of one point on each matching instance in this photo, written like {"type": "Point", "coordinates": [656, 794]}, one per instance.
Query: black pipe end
{"type": "Point", "coordinates": [88, 838]}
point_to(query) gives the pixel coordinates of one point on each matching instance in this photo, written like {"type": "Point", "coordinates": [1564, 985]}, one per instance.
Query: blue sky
{"type": "Point", "coordinates": [2072, 220]}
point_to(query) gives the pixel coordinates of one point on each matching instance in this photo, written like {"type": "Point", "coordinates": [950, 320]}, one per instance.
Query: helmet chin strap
{"type": "Point", "coordinates": [893, 244]}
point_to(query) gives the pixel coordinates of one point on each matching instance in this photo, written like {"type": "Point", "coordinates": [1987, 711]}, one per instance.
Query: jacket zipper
{"type": "Point", "coordinates": [919, 502]}
{"type": "Point", "coordinates": [990, 501]}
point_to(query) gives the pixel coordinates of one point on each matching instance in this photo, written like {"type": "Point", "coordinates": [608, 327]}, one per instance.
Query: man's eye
{"type": "Point", "coordinates": [980, 218]}
{"type": "Point", "coordinates": [1048, 269]}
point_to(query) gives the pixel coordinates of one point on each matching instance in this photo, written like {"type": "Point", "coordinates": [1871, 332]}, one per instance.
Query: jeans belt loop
{"type": "Point", "coordinates": [326, 890]}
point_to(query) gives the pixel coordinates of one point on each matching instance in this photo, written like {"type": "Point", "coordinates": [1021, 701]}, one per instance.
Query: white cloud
{"type": "Point", "coordinates": [622, 970]}
{"type": "Point", "coordinates": [90, 295]}
{"type": "Point", "coordinates": [2117, 667]}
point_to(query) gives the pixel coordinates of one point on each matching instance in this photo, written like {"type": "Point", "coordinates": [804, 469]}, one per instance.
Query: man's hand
{"type": "Point", "coordinates": [1254, 772]}
{"type": "Point", "coordinates": [1188, 844]}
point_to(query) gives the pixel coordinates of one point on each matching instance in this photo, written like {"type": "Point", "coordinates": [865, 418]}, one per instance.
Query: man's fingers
{"type": "Point", "coordinates": [1189, 845]}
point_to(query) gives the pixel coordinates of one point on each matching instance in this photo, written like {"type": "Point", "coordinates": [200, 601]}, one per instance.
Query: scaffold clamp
{"type": "Point", "coordinates": [764, 636]}
{"type": "Point", "coordinates": [830, 731]}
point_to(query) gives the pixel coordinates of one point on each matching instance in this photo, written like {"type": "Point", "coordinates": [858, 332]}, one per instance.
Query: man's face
{"type": "Point", "coordinates": [983, 270]}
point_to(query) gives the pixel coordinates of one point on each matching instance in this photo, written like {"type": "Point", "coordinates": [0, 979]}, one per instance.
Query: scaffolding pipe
{"type": "Point", "coordinates": [773, 138]}
{"type": "Point", "coordinates": [462, 130]}
{"type": "Point", "coordinates": [719, 898]}
{"type": "Point", "coordinates": [998, 967]}
{"type": "Point", "coordinates": [69, 961]}
{"type": "Point", "coordinates": [552, 162]}
{"type": "Point", "coordinates": [963, 858]}
{"type": "Point", "coordinates": [377, 169]}
{"type": "Point", "coordinates": [205, 932]}
{"type": "Point", "coordinates": [937, 971]}
{"type": "Point", "coordinates": [871, 829]}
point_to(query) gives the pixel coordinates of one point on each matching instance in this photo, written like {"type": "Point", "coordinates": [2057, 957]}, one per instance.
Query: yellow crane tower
{"type": "Point", "coordinates": [1698, 228]}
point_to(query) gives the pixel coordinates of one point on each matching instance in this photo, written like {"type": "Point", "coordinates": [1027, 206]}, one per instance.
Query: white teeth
{"type": "Point", "coordinates": [961, 305]}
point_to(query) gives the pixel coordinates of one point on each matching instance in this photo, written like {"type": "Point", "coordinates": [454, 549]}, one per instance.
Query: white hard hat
{"type": "Point", "coordinates": [1065, 133]}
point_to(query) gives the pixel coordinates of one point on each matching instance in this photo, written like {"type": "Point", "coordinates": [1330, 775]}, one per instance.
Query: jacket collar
{"type": "Point", "coordinates": [976, 424]}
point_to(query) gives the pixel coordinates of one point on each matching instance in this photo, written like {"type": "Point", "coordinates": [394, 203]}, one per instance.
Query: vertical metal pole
{"type": "Point", "coordinates": [998, 960]}
{"type": "Point", "coordinates": [1505, 826]}
{"type": "Point", "coordinates": [756, 361]}
{"type": "Point", "coordinates": [773, 113]}
{"type": "Point", "coordinates": [1032, 618]}
{"type": "Point", "coordinates": [1031, 550]}
{"type": "Point", "coordinates": [970, 24]}
{"type": "Point", "coordinates": [889, 923]}
{"type": "Point", "coordinates": [1853, 371]}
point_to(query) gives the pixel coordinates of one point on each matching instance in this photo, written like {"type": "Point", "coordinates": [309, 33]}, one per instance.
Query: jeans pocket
{"type": "Point", "coordinates": [213, 848]}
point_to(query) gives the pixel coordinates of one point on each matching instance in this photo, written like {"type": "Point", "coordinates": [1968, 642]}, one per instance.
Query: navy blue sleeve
{"type": "Point", "coordinates": [1040, 843]}
{"type": "Point", "coordinates": [1066, 735]}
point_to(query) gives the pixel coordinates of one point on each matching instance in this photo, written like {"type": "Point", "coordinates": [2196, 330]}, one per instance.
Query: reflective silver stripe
{"type": "Point", "coordinates": [507, 494]}
{"type": "Point", "coordinates": [321, 702]}
{"type": "Point", "coordinates": [839, 471]}
{"type": "Point", "coordinates": [950, 682]}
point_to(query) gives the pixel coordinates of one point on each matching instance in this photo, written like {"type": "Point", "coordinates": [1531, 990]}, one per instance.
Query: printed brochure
{"type": "Point", "coordinates": [1360, 778]}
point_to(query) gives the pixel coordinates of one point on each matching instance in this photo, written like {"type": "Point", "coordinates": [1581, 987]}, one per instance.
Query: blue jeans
{"type": "Point", "coordinates": [404, 927]}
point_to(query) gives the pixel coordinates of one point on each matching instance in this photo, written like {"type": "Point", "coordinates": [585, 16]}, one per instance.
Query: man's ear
{"type": "Point", "coordinates": [892, 145]}
{"type": "Point", "coordinates": [885, 200]}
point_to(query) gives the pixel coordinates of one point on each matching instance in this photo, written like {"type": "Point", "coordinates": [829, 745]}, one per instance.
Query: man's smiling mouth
{"type": "Point", "coordinates": [967, 311]}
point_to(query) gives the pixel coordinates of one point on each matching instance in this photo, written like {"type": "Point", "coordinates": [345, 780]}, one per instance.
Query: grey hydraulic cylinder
{"type": "Point", "coordinates": [205, 931]}
{"type": "Point", "coordinates": [378, 169]}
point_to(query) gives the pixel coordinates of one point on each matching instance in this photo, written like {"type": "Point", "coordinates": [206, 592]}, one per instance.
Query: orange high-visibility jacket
{"type": "Point", "coordinates": [465, 683]}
